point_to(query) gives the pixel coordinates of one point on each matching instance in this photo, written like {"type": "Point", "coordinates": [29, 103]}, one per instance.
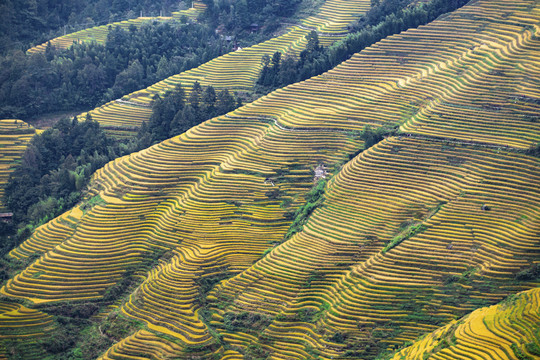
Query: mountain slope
{"type": "Point", "coordinates": [99, 33]}
{"type": "Point", "coordinates": [454, 193]}
{"type": "Point", "coordinates": [400, 245]}
{"type": "Point", "coordinates": [235, 71]}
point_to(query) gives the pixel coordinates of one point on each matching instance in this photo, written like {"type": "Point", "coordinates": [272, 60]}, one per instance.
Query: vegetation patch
{"type": "Point", "coordinates": [314, 199]}
{"type": "Point", "coordinates": [404, 235]}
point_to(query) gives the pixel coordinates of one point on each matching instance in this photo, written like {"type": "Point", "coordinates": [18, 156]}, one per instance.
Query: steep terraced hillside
{"type": "Point", "coordinates": [425, 226]}
{"type": "Point", "coordinates": [400, 245]}
{"type": "Point", "coordinates": [469, 76]}
{"type": "Point", "coordinates": [235, 71]}
{"type": "Point", "coordinates": [510, 330]}
{"type": "Point", "coordinates": [14, 137]}
{"type": "Point", "coordinates": [99, 33]}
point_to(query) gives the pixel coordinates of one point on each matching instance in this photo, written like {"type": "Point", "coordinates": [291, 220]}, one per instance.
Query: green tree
{"type": "Point", "coordinates": [225, 101]}
{"type": "Point", "coordinates": [209, 101]}
{"type": "Point", "coordinates": [312, 42]}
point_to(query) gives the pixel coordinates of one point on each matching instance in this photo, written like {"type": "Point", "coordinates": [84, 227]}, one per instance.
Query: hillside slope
{"type": "Point", "coordinates": [509, 330]}
{"type": "Point", "coordinates": [400, 246]}
{"type": "Point", "coordinates": [235, 71]}
{"type": "Point", "coordinates": [421, 228]}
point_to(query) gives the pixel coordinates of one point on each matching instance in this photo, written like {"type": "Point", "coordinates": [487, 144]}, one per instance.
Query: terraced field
{"type": "Point", "coordinates": [421, 228]}
{"type": "Point", "coordinates": [17, 322]}
{"type": "Point", "coordinates": [467, 76]}
{"type": "Point", "coordinates": [235, 71]}
{"type": "Point", "coordinates": [99, 33]}
{"type": "Point", "coordinates": [362, 269]}
{"type": "Point", "coordinates": [14, 137]}
{"type": "Point", "coordinates": [504, 331]}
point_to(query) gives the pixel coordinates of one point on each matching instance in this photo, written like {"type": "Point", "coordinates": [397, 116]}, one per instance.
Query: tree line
{"type": "Point", "coordinates": [384, 19]}
{"type": "Point", "coordinates": [56, 167]}
{"type": "Point", "coordinates": [174, 113]}
{"type": "Point", "coordinates": [89, 74]}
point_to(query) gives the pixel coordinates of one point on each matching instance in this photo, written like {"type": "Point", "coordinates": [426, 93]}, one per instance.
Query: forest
{"type": "Point", "coordinates": [89, 74]}
{"type": "Point", "coordinates": [238, 16]}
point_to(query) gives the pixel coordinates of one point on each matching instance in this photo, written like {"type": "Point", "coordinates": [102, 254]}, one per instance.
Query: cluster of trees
{"type": "Point", "coordinates": [56, 166]}
{"type": "Point", "coordinates": [88, 74]}
{"type": "Point", "coordinates": [238, 16]}
{"type": "Point", "coordinates": [384, 19]}
{"type": "Point", "coordinates": [379, 10]}
{"type": "Point", "coordinates": [27, 22]}
{"type": "Point", "coordinates": [173, 113]}
{"type": "Point", "coordinates": [278, 73]}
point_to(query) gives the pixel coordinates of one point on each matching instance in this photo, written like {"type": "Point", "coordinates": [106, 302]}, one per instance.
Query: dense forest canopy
{"type": "Point", "coordinates": [89, 74]}
{"type": "Point", "coordinates": [238, 15]}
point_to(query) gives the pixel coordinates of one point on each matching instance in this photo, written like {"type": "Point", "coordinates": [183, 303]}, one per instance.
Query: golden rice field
{"type": "Point", "coordinates": [17, 323]}
{"type": "Point", "coordinates": [14, 137]}
{"type": "Point", "coordinates": [420, 229]}
{"type": "Point", "coordinates": [17, 320]}
{"type": "Point", "coordinates": [337, 269]}
{"type": "Point", "coordinates": [488, 333]}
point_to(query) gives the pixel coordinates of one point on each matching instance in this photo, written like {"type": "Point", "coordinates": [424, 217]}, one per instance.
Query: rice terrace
{"type": "Point", "coordinates": [270, 179]}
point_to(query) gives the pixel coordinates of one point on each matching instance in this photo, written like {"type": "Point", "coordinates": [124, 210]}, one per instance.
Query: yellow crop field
{"type": "Point", "coordinates": [19, 322]}
{"type": "Point", "coordinates": [432, 222]}
{"type": "Point", "coordinates": [14, 137]}
{"type": "Point", "coordinates": [497, 332]}
{"type": "Point", "coordinates": [337, 267]}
